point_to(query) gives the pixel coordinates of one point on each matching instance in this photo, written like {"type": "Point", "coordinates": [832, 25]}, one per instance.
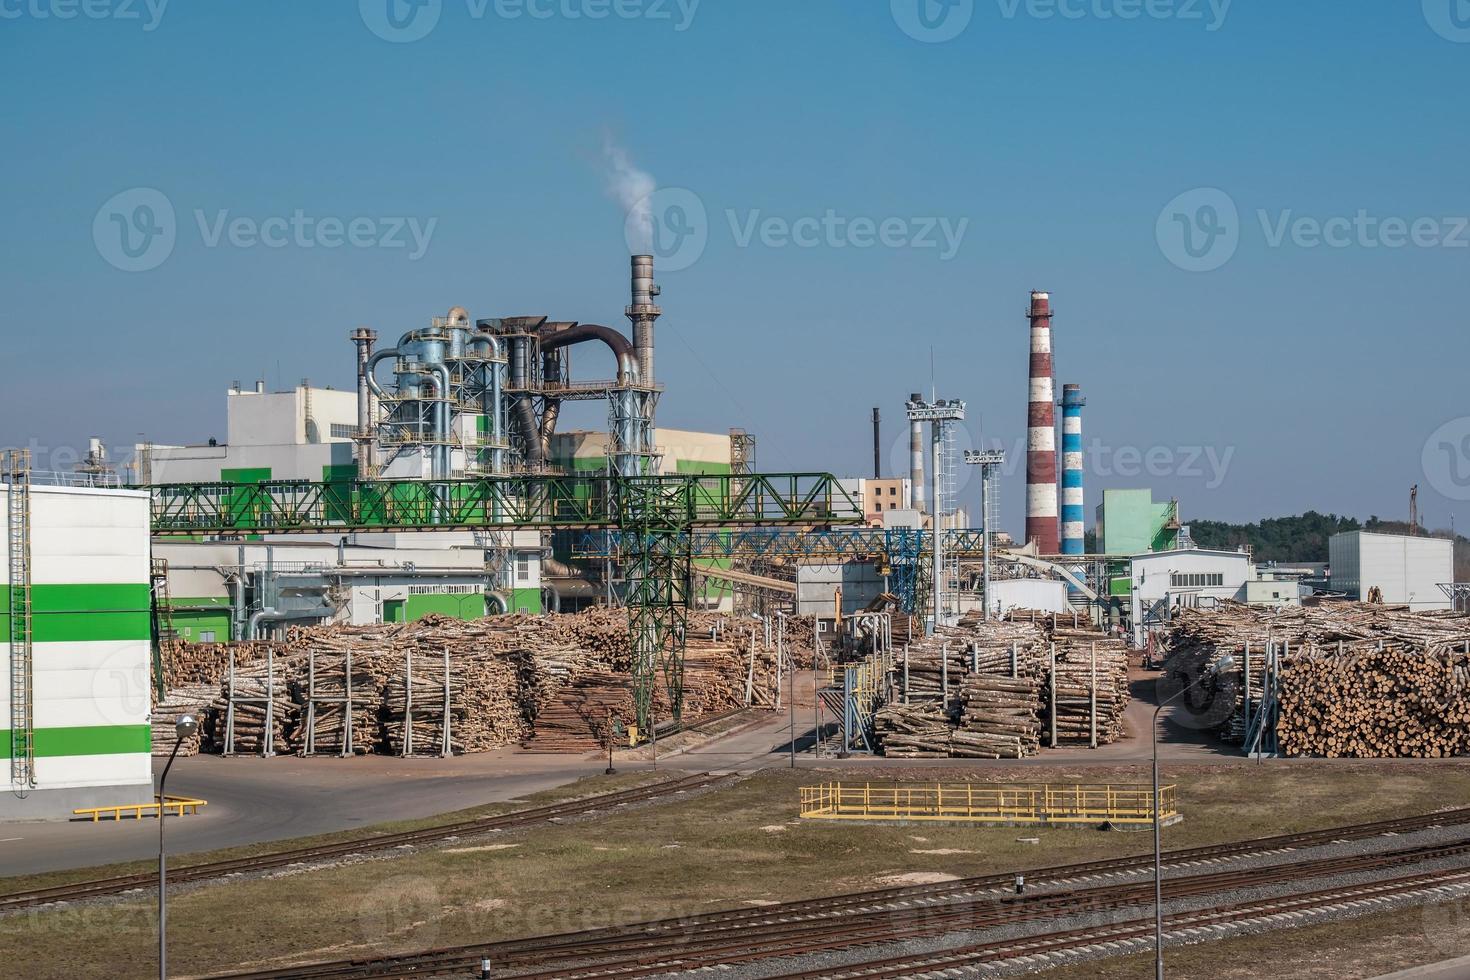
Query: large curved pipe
{"type": "Point", "coordinates": [372, 367]}
{"type": "Point", "coordinates": [620, 345]}
{"type": "Point", "coordinates": [445, 413]}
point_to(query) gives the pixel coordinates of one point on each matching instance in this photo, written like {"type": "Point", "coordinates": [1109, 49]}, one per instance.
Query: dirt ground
{"type": "Point", "coordinates": [742, 845]}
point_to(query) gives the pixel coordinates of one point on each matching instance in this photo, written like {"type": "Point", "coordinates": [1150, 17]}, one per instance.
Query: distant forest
{"type": "Point", "coordinates": [1304, 538]}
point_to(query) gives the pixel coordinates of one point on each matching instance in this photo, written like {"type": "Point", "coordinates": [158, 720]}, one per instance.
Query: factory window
{"type": "Point", "coordinates": [340, 431]}
{"type": "Point", "coordinates": [523, 568]}
{"type": "Point", "coordinates": [206, 636]}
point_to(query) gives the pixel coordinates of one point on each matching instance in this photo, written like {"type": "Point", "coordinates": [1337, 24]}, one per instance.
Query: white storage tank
{"type": "Point", "coordinates": [90, 655]}
{"type": "Point", "coordinates": [1408, 570]}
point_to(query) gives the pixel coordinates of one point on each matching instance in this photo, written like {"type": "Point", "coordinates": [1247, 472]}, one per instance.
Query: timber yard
{"type": "Point", "coordinates": [764, 607]}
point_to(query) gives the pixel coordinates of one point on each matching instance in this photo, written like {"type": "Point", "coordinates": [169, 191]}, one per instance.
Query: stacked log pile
{"type": "Point", "coordinates": [321, 690]}
{"type": "Point", "coordinates": [261, 701]}
{"type": "Point", "coordinates": [419, 698]}
{"type": "Point", "coordinates": [1353, 680]}
{"type": "Point", "coordinates": [999, 719]}
{"type": "Point", "coordinates": [1088, 661]}
{"type": "Point", "coordinates": [513, 679]}
{"type": "Point", "coordinates": [188, 699]}
{"type": "Point", "coordinates": [984, 690]}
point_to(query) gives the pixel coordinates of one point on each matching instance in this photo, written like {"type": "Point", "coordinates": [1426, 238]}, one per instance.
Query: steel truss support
{"type": "Point", "coordinates": [659, 593]}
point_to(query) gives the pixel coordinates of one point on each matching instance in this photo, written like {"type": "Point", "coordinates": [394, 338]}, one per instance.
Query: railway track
{"type": "Point", "coordinates": [887, 915]}
{"type": "Point", "coordinates": [515, 820]}
{"type": "Point", "coordinates": [1136, 935]}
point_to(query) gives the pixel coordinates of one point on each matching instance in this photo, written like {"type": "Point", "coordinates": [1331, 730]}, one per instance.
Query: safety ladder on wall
{"type": "Point", "coordinates": [22, 700]}
{"type": "Point", "coordinates": [162, 620]}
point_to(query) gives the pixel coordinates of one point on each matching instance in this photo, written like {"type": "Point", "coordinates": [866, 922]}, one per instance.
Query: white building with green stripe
{"type": "Point", "coordinates": [89, 658]}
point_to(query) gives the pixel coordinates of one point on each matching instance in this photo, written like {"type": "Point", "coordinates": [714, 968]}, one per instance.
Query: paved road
{"type": "Point", "coordinates": [256, 800]}
{"type": "Point", "coordinates": [1448, 970]}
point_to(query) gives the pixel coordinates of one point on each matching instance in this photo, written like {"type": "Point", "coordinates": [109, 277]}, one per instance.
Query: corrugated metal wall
{"type": "Point", "coordinates": [91, 635]}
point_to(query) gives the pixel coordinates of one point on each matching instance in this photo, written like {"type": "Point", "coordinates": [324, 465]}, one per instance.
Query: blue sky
{"type": "Point", "coordinates": [1295, 375]}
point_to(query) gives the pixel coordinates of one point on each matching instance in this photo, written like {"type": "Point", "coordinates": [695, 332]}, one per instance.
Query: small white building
{"type": "Point", "coordinates": [1407, 570]}
{"type": "Point", "coordinates": [1041, 594]}
{"type": "Point", "coordinates": [86, 738]}
{"type": "Point", "coordinates": [1166, 581]}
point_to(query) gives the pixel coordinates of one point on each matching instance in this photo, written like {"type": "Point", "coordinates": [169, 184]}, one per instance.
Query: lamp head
{"type": "Point", "coordinates": [1223, 666]}
{"type": "Point", "coordinates": [186, 725]}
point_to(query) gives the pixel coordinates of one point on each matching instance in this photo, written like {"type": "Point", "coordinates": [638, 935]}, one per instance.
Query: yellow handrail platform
{"type": "Point", "coordinates": [177, 805]}
{"type": "Point", "coordinates": [1003, 803]}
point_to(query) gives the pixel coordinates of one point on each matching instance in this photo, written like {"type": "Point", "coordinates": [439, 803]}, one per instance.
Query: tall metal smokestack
{"type": "Point", "coordinates": [644, 314]}
{"type": "Point", "coordinates": [1041, 433]}
{"type": "Point", "coordinates": [1073, 519]}
{"type": "Point", "coordinates": [916, 458]}
{"type": "Point", "coordinates": [877, 445]}
{"type": "Point", "coordinates": [366, 437]}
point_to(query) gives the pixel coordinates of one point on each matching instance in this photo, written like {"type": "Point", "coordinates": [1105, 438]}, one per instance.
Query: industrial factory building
{"type": "Point", "coordinates": [1168, 581]}
{"type": "Point", "coordinates": [1131, 522]}
{"type": "Point", "coordinates": [1392, 568]}
{"type": "Point", "coordinates": [77, 642]}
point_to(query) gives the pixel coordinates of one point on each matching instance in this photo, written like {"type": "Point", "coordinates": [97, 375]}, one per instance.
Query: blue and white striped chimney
{"type": "Point", "coordinates": [1073, 521]}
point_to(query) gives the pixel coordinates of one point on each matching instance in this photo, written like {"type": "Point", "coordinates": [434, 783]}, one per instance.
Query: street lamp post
{"type": "Point", "coordinates": [1224, 664]}
{"type": "Point", "coordinates": [183, 728]}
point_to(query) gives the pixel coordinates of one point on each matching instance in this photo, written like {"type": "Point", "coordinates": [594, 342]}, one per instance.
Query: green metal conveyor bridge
{"type": "Point", "coordinates": [657, 517]}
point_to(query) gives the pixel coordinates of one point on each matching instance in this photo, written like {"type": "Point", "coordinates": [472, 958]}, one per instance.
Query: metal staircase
{"type": "Point", "coordinates": [22, 701]}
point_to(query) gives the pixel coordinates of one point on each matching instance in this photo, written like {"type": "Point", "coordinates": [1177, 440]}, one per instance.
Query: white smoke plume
{"type": "Point", "coordinates": [633, 189]}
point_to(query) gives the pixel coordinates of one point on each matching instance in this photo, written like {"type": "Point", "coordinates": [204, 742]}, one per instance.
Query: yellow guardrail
{"type": "Point", "coordinates": [177, 805]}
{"type": "Point", "coordinates": [1039, 803]}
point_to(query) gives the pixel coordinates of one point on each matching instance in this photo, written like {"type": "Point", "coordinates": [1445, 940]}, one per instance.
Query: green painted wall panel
{"type": "Point", "coordinates": [456, 606]}
{"type": "Point", "coordinates": [527, 600]}
{"type": "Point", "coordinates": [103, 740]}
{"type": "Point", "coordinates": [84, 613]}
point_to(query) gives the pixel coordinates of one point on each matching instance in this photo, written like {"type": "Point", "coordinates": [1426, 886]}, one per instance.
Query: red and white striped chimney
{"type": "Point", "coordinates": [1041, 434]}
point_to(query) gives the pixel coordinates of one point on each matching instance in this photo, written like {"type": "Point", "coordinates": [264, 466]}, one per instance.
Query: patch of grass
{"type": "Point", "coordinates": [736, 846]}
{"type": "Point", "coordinates": [1356, 949]}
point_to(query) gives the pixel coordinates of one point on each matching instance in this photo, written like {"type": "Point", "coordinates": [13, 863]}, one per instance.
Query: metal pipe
{"type": "Point", "coordinates": [644, 313]}
{"type": "Point", "coordinates": [444, 411]}
{"type": "Point", "coordinates": [937, 435]}
{"type": "Point", "coordinates": [916, 458]}
{"type": "Point", "coordinates": [366, 437]}
{"type": "Point", "coordinates": [877, 445]}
